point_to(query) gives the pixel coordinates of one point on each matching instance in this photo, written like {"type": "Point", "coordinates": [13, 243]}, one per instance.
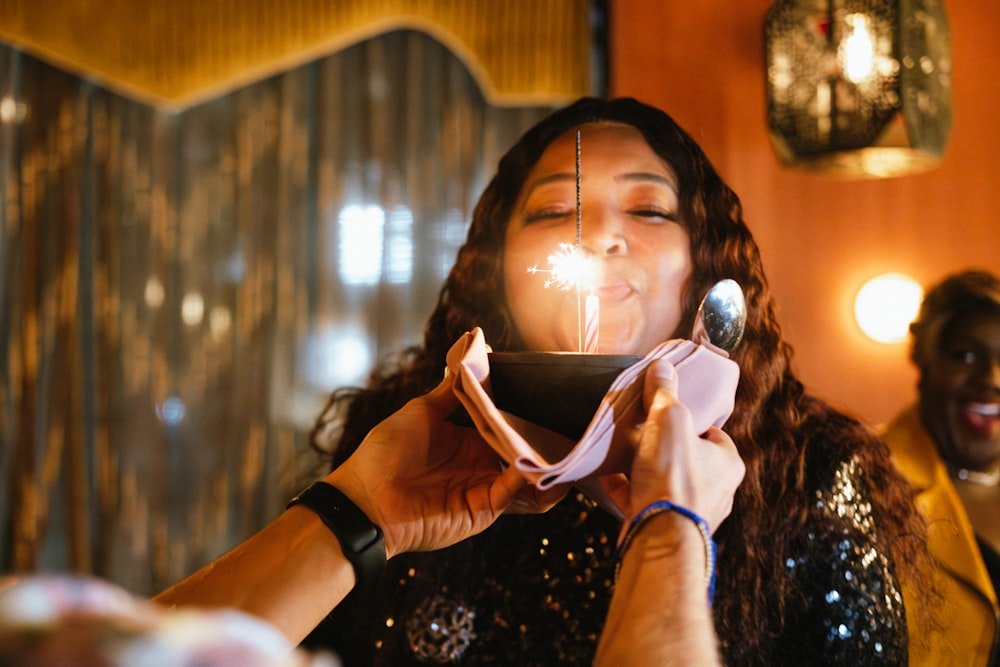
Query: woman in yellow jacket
{"type": "Point", "coordinates": [948, 446]}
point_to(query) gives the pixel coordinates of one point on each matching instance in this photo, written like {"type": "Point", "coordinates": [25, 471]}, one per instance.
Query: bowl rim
{"type": "Point", "coordinates": [621, 361]}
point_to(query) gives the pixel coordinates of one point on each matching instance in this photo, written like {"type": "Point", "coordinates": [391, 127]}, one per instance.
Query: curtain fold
{"type": "Point", "coordinates": [182, 290]}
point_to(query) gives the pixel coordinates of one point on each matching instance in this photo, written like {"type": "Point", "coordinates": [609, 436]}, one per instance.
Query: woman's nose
{"type": "Point", "coordinates": [993, 372]}
{"type": "Point", "coordinates": [987, 371]}
{"type": "Point", "coordinates": [603, 235]}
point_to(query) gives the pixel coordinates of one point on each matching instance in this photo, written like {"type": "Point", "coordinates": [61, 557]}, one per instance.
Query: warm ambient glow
{"type": "Point", "coordinates": [885, 306]}
{"type": "Point", "coordinates": [857, 51]}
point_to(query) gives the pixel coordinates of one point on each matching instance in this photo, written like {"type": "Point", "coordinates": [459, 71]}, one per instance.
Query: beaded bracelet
{"type": "Point", "coordinates": [659, 507]}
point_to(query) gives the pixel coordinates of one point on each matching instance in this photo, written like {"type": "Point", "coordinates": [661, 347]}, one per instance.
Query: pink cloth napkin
{"type": "Point", "coordinates": [707, 382]}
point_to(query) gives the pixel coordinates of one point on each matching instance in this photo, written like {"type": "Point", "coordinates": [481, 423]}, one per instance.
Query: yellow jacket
{"type": "Point", "coordinates": [970, 615]}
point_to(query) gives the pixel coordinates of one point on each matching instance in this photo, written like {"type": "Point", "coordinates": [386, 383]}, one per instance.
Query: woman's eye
{"type": "Point", "coordinates": [967, 357]}
{"type": "Point", "coordinates": [654, 213]}
{"type": "Point", "coordinates": [547, 214]}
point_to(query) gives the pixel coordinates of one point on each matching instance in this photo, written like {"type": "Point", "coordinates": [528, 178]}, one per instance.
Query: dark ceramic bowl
{"type": "Point", "coordinates": [558, 390]}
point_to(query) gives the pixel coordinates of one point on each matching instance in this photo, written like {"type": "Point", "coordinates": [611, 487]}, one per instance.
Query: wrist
{"type": "Point", "coordinates": [377, 506]}
{"type": "Point", "coordinates": [361, 540]}
{"type": "Point", "coordinates": [640, 530]}
{"type": "Point", "coordinates": [667, 535]}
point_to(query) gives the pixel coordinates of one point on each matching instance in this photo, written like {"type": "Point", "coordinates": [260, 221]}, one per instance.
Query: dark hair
{"type": "Point", "coordinates": [782, 434]}
{"type": "Point", "coordinates": [954, 296]}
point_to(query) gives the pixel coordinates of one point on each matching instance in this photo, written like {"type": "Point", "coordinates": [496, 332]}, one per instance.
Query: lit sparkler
{"type": "Point", "coordinates": [572, 267]}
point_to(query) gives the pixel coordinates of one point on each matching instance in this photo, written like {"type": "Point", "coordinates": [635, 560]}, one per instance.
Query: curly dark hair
{"type": "Point", "coordinates": [776, 426]}
{"type": "Point", "coordinates": [955, 295]}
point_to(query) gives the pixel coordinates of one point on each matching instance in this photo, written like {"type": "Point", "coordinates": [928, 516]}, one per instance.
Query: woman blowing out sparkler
{"type": "Point", "coordinates": [822, 530]}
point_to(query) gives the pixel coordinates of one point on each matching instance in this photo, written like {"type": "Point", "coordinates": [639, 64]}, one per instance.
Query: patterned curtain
{"type": "Point", "coordinates": [180, 291]}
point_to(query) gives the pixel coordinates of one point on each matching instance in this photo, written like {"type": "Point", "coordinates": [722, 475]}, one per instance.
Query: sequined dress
{"type": "Point", "coordinates": [534, 590]}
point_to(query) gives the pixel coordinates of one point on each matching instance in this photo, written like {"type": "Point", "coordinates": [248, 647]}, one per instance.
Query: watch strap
{"type": "Point", "coordinates": [360, 539]}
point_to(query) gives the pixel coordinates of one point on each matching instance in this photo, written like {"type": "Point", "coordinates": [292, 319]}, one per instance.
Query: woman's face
{"type": "Point", "coordinates": [960, 391]}
{"type": "Point", "coordinates": [629, 227]}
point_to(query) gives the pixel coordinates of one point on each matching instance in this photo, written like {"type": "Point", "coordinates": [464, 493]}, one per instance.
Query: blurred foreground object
{"type": "Point", "coordinates": [64, 620]}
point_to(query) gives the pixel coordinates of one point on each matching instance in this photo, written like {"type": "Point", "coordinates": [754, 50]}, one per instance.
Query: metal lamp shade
{"type": "Point", "coordinates": [859, 88]}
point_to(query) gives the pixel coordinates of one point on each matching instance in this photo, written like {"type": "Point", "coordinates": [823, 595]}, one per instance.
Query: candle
{"type": "Point", "coordinates": [592, 309]}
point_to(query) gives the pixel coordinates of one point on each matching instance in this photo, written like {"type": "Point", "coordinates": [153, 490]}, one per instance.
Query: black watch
{"type": "Point", "coordinates": [360, 539]}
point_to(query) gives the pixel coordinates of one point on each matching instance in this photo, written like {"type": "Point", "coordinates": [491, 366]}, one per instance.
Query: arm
{"type": "Point", "coordinates": [424, 481]}
{"type": "Point", "coordinates": [659, 612]}
{"type": "Point", "coordinates": [291, 574]}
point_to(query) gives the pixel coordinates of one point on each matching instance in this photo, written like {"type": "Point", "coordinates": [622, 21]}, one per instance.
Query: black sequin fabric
{"type": "Point", "coordinates": [853, 610]}
{"type": "Point", "coordinates": [534, 590]}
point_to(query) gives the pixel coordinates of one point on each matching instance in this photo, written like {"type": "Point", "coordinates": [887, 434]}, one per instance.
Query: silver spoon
{"type": "Point", "coordinates": [722, 316]}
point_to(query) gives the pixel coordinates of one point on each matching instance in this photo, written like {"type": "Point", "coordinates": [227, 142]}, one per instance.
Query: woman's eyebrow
{"type": "Point", "coordinates": [551, 178]}
{"type": "Point", "coordinates": [632, 176]}
{"type": "Point", "coordinates": [649, 176]}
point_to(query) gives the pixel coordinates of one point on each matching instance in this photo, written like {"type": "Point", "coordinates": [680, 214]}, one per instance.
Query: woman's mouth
{"type": "Point", "coordinates": [614, 292]}
{"type": "Point", "coordinates": [981, 417]}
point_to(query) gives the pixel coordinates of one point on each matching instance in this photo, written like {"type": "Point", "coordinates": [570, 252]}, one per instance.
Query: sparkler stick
{"type": "Point", "coordinates": [579, 206]}
{"type": "Point", "coordinates": [579, 248]}
{"type": "Point", "coordinates": [572, 267]}
{"type": "Point", "coordinates": [592, 309]}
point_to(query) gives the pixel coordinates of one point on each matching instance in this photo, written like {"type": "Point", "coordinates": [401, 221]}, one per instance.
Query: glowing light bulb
{"type": "Point", "coordinates": [857, 51]}
{"type": "Point", "coordinates": [885, 306]}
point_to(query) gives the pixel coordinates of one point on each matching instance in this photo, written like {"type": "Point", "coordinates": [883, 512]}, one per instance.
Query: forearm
{"type": "Point", "coordinates": [290, 574]}
{"type": "Point", "coordinates": [659, 614]}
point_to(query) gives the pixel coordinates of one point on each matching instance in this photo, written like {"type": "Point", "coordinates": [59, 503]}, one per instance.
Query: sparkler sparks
{"type": "Point", "coordinates": [570, 267]}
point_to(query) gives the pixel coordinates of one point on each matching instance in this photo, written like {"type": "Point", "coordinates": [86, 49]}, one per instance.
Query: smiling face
{"type": "Point", "coordinates": [630, 229]}
{"type": "Point", "coordinates": [960, 391]}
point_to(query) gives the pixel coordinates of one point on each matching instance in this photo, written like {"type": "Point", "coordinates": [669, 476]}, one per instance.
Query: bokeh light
{"type": "Point", "coordinates": [885, 306]}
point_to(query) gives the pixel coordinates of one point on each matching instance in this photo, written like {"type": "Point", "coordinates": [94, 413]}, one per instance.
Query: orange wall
{"type": "Point", "coordinates": [821, 238]}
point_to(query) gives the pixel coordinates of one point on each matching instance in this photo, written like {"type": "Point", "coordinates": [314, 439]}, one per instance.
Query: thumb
{"type": "Point", "coordinates": [660, 374]}
{"type": "Point", "coordinates": [442, 397]}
